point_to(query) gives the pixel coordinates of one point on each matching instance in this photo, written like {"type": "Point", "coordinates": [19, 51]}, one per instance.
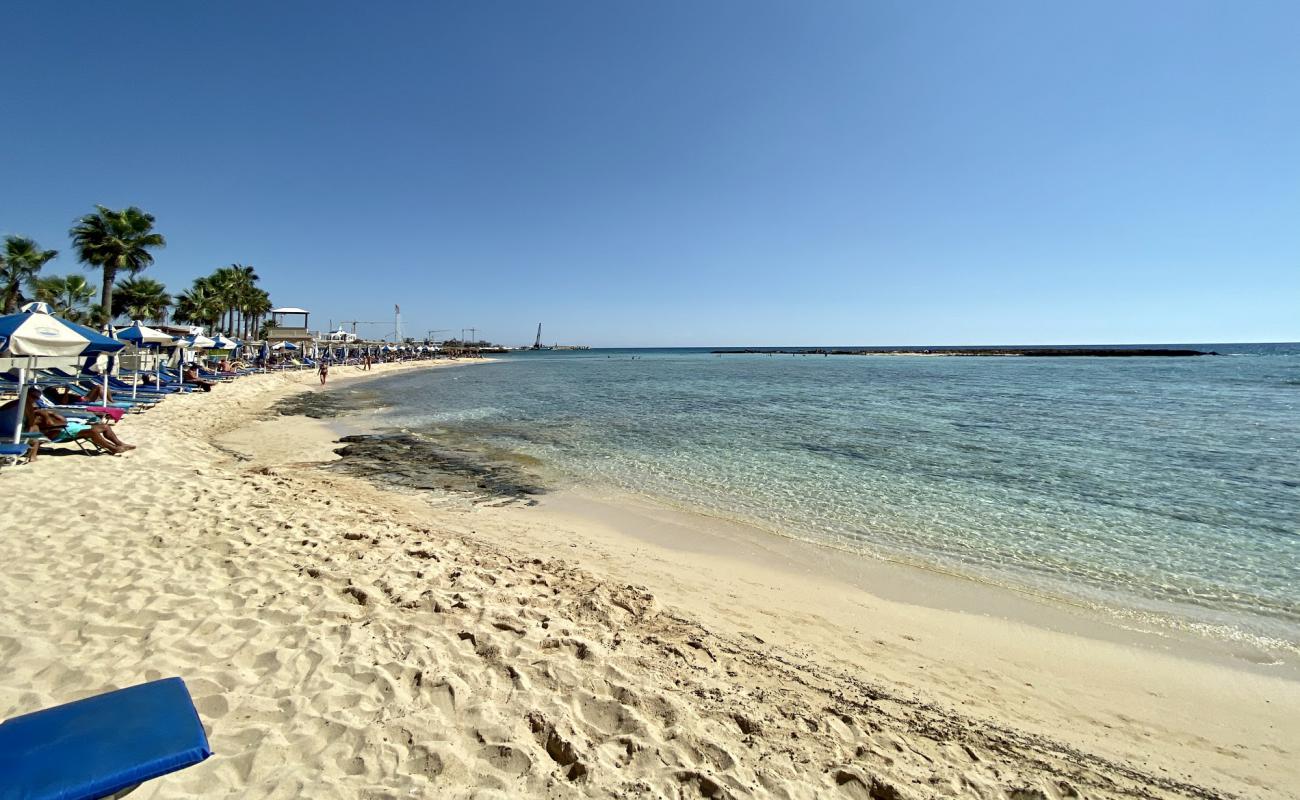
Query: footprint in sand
{"type": "Point", "coordinates": [506, 759]}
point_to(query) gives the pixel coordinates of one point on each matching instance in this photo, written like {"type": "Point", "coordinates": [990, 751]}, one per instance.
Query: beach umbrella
{"type": "Point", "coordinates": [97, 342]}
{"type": "Point", "coordinates": [37, 333]}
{"type": "Point", "coordinates": [197, 341]}
{"type": "Point", "coordinates": [264, 354]}
{"type": "Point", "coordinates": [111, 363]}
{"type": "Point", "coordinates": [142, 335]}
{"type": "Point", "coordinates": [178, 359]}
{"type": "Point", "coordinates": [220, 342]}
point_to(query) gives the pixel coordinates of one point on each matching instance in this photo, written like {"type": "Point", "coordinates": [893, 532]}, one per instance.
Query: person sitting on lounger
{"type": "Point", "coordinates": [58, 428]}
{"type": "Point", "coordinates": [13, 420]}
{"type": "Point", "coordinates": [192, 376]}
{"type": "Point", "coordinates": [97, 394]}
{"type": "Point", "coordinates": [62, 395]}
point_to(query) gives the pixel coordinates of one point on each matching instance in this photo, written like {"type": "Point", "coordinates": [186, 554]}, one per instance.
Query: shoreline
{"type": "Point", "coordinates": [688, 530]}
{"type": "Point", "coordinates": [342, 639]}
{"type": "Point", "coordinates": [894, 577]}
{"type": "Point", "coordinates": [618, 528]}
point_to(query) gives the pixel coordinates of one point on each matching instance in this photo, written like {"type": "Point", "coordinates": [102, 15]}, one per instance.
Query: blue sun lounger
{"type": "Point", "coordinates": [13, 452]}
{"type": "Point", "coordinates": [96, 747]}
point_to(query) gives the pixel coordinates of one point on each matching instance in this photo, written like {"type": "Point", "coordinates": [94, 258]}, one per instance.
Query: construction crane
{"type": "Point", "coordinates": [430, 334]}
{"type": "Point", "coordinates": [355, 322]}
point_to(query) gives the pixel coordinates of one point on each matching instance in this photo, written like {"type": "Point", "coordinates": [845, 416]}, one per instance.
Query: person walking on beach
{"type": "Point", "coordinates": [324, 370]}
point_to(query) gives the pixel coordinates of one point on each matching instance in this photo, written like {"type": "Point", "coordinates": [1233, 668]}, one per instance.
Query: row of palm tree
{"type": "Point", "coordinates": [117, 241]}
{"type": "Point", "coordinates": [228, 300]}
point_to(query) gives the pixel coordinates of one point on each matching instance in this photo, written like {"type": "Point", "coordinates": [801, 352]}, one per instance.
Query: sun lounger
{"type": "Point", "coordinates": [11, 453]}
{"type": "Point", "coordinates": [83, 410]}
{"type": "Point", "coordinates": [148, 391]}
{"type": "Point", "coordinates": [99, 746]}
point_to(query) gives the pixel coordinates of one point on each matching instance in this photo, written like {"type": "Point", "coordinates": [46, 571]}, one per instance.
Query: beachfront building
{"type": "Point", "coordinates": [341, 335]}
{"type": "Point", "coordinates": [285, 327]}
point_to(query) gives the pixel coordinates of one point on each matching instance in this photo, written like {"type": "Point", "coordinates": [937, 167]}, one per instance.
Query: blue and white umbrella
{"type": "Point", "coordinates": [38, 333]}
{"type": "Point", "coordinates": [197, 341]}
{"type": "Point", "coordinates": [35, 332]}
{"type": "Point", "coordinates": [142, 335]}
{"type": "Point", "coordinates": [98, 342]}
{"type": "Point", "coordinates": [221, 342]}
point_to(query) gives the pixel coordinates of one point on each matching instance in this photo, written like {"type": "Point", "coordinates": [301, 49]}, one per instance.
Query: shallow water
{"type": "Point", "coordinates": [1161, 488]}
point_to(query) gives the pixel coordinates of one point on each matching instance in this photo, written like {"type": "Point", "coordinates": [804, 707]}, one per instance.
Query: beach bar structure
{"type": "Point", "coordinates": [285, 328]}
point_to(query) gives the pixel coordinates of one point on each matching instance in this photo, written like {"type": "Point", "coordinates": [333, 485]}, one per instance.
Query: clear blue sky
{"type": "Point", "coordinates": [683, 173]}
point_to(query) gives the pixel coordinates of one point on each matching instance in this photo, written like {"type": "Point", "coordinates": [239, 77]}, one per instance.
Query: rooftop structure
{"type": "Point", "coordinates": [284, 327]}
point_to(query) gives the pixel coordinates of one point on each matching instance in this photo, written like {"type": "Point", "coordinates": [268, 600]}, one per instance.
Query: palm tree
{"type": "Point", "coordinates": [243, 281]}
{"type": "Point", "coordinates": [70, 295]}
{"type": "Point", "coordinates": [257, 304]}
{"type": "Point", "coordinates": [20, 262]}
{"type": "Point", "coordinates": [256, 307]}
{"type": "Point", "coordinates": [222, 284]}
{"type": "Point", "coordinates": [200, 304]}
{"type": "Point", "coordinates": [114, 241]}
{"type": "Point", "coordinates": [141, 298]}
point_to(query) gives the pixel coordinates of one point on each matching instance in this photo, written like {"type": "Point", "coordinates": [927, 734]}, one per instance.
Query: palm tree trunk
{"type": "Point", "coordinates": [106, 294]}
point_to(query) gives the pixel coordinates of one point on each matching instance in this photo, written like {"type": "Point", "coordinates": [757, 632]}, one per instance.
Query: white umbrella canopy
{"type": "Point", "coordinates": [34, 332]}
{"type": "Point", "coordinates": [142, 334]}
{"type": "Point", "coordinates": [196, 341]}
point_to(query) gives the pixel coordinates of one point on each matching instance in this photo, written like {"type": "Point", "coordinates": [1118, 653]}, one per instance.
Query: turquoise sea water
{"type": "Point", "coordinates": [1156, 487]}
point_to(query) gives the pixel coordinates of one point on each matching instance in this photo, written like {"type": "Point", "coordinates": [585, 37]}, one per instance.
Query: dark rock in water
{"type": "Point", "coordinates": [324, 405]}
{"type": "Point", "coordinates": [413, 462]}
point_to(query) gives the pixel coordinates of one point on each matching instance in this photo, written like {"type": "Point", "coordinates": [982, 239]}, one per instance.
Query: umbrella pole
{"type": "Point", "coordinates": [22, 405]}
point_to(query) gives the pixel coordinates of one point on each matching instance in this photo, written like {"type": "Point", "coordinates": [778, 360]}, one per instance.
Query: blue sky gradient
{"type": "Point", "coordinates": [688, 173]}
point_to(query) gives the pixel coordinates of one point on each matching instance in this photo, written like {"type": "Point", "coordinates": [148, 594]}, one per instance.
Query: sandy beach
{"type": "Point", "coordinates": [342, 639]}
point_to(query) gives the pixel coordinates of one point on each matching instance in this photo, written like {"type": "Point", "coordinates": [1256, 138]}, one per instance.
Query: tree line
{"type": "Point", "coordinates": [123, 241]}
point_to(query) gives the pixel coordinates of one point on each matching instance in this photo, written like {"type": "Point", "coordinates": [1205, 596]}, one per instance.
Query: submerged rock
{"type": "Point", "coordinates": [413, 462]}
{"type": "Point", "coordinates": [325, 405]}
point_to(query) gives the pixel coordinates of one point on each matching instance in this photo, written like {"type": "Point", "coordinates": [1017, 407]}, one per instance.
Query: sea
{"type": "Point", "coordinates": [1159, 490]}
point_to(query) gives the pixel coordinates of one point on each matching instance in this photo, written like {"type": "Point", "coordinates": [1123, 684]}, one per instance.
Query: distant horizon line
{"type": "Point", "coordinates": [921, 346]}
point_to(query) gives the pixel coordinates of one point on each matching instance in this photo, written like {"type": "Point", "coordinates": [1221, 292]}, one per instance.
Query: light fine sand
{"type": "Point", "coordinates": [345, 640]}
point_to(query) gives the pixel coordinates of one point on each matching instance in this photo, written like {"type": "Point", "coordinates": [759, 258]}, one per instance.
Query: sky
{"type": "Point", "coordinates": [698, 172]}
